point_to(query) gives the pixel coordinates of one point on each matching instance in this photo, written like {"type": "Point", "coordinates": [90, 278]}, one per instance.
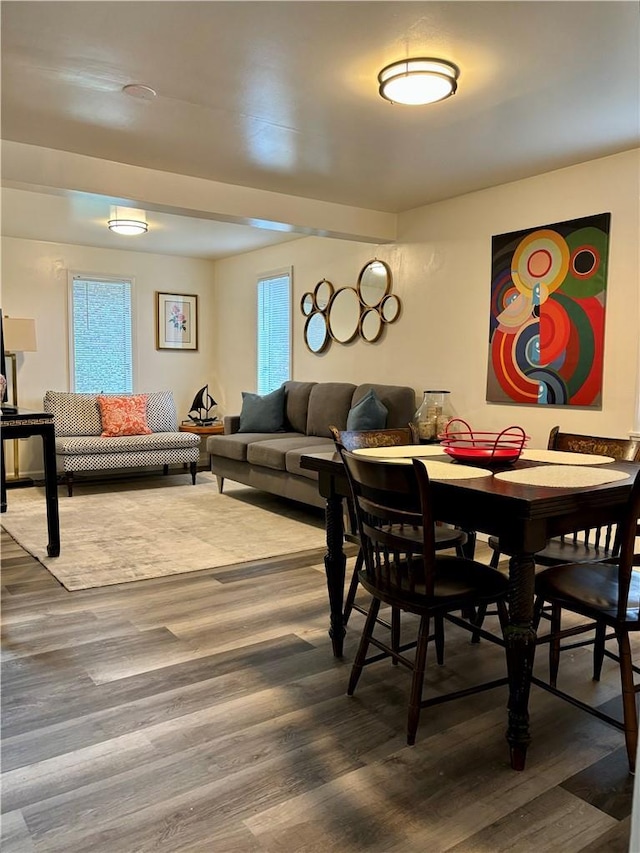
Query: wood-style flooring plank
{"type": "Point", "coordinates": [204, 713]}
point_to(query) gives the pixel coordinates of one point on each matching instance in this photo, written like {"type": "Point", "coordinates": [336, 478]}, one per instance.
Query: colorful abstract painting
{"type": "Point", "coordinates": [546, 335]}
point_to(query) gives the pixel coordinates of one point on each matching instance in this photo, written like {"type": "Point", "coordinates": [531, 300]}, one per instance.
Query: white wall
{"type": "Point", "coordinates": [441, 266]}
{"type": "Point", "coordinates": [34, 284]}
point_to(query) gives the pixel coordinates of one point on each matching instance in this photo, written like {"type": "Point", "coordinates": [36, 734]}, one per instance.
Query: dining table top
{"type": "Point", "coordinates": [540, 498]}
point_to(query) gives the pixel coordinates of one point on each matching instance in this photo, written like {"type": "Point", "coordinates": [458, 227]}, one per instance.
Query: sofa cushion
{"type": "Point", "coordinates": [73, 414]}
{"type": "Point", "coordinates": [314, 445]}
{"type": "Point", "coordinates": [368, 413]}
{"type": "Point", "coordinates": [262, 413]}
{"type": "Point", "coordinates": [273, 454]}
{"type": "Point", "coordinates": [126, 415]}
{"type": "Point", "coordinates": [296, 404]}
{"type": "Point", "coordinates": [161, 411]}
{"type": "Point", "coordinates": [400, 401]}
{"type": "Point", "coordinates": [329, 403]}
{"type": "Point", "coordinates": [235, 446]}
{"type": "Point", "coordinates": [91, 445]}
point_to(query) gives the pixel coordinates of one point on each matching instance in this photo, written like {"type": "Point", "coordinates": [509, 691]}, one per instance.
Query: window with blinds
{"type": "Point", "coordinates": [274, 330]}
{"type": "Point", "coordinates": [101, 350]}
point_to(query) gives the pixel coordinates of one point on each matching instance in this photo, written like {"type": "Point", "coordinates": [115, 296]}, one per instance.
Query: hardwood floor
{"type": "Point", "coordinates": [205, 712]}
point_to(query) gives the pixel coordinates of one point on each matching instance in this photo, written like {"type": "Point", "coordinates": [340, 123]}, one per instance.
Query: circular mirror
{"type": "Point", "coordinates": [316, 333]}
{"type": "Point", "coordinates": [306, 304]}
{"type": "Point", "coordinates": [344, 315]}
{"type": "Point", "coordinates": [371, 325]}
{"type": "Point", "coordinates": [390, 308]}
{"type": "Point", "coordinates": [374, 283]}
{"type": "Point", "coordinates": [323, 293]}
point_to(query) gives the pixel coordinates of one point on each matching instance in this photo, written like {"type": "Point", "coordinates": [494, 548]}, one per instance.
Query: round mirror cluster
{"type": "Point", "coordinates": [344, 314]}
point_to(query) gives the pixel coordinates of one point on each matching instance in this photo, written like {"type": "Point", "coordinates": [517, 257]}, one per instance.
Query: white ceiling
{"type": "Point", "coordinates": [282, 96]}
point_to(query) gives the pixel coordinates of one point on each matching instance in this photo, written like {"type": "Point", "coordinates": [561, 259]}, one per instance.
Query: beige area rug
{"type": "Point", "coordinates": [120, 532]}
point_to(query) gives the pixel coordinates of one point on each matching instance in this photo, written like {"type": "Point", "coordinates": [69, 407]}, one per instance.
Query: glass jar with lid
{"type": "Point", "coordinates": [432, 415]}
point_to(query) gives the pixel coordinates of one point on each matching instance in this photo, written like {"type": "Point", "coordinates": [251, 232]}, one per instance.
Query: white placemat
{"type": "Point", "coordinates": [401, 451]}
{"type": "Point", "coordinates": [452, 471]}
{"type": "Point", "coordinates": [562, 457]}
{"type": "Point", "coordinates": [405, 454]}
{"type": "Point", "coordinates": [561, 476]}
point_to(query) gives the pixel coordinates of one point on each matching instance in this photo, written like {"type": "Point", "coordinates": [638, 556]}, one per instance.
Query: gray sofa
{"type": "Point", "coordinates": [271, 461]}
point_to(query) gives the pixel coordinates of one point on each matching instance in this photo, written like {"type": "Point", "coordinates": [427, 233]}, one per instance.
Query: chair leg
{"type": "Point", "coordinates": [415, 699]}
{"type": "Point", "coordinates": [503, 615]}
{"type": "Point", "coordinates": [358, 663]}
{"type": "Point", "coordinates": [468, 550]}
{"type": "Point", "coordinates": [69, 479]}
{"type": "Point", "coordinates": [439, 632]}
{"type": "Point", "coordinates": [598, 650]}
{"type": "Point", "coordinates": [554, 644]}
{"type": "Point", "coordinates": [220, 481]}
{"type": "Point", "coordinates": [630, 715]}
{"type": "Point", "coordinates": [395, 632]}
{"type": "Point", "coordinates": [353, 588]}
{"type": "Point", "coordinates": [480, 615]}
{"type": "Point", "coordinates": [165, 470]}
{"type": "Point", "coordinates": [193, 468]}
{"type": "Point", "coordinates": [537, 611]}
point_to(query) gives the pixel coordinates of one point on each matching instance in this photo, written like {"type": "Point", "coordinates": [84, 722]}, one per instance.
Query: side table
{"type": "Point", "coordinates": [203, 432]}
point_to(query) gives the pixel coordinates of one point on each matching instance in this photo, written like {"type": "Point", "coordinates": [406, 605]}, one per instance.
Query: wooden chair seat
{"type": "Point", "coordinates": [569, 549]}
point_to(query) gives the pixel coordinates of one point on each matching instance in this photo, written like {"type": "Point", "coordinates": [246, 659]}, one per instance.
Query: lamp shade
{"type": "Point", "coordinates": [19, 335]}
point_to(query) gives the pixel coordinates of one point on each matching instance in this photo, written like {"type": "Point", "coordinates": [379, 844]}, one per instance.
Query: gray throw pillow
{"type": "Point", "coordinates": [368, 413]}
{"type": "Point", "coordinates": [262, 414]}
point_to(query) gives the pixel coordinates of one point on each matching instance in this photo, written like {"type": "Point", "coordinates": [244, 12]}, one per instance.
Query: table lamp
{"type": "Point", "coordinates": [19, 336]}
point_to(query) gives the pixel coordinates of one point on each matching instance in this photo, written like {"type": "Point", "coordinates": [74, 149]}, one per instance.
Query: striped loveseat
{"type": "Point", "coordinates": [81, 447]}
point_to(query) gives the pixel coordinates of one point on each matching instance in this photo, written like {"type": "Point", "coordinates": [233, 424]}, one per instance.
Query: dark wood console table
{"type": "Point", "coordinates": [23, 424]}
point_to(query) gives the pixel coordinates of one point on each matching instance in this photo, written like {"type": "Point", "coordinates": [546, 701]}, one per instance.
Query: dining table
{"type": "Point", "coordinates": [524, 503]}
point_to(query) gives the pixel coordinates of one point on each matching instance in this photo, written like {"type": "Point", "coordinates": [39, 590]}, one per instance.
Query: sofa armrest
{"type": "Point", "coordinates": [231, 424]}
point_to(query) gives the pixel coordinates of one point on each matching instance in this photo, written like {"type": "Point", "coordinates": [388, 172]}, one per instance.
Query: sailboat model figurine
{"type": "Point", "coordinates": [202, 405]}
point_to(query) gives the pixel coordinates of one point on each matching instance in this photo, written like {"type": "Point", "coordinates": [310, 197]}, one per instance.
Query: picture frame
{"type": "Point", "coordinates": [176, 321]}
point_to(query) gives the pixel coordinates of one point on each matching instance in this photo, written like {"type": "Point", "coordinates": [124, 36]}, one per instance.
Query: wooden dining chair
{"type": "Point", "coordinates": [407, 573]}
{"type": "Point", "coordinates": [607, 594]}
{"type": "Point", "coordinates": [445, 537]}
{"type": "Point", "coordinates": [587, 544]}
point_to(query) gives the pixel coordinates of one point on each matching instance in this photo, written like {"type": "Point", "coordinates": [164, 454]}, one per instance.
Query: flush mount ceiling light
{"type": "Point", "coordinates": [139, 90]}
{"type": "Point", "coordinates": [418, 81]}
{"type": "Point", "coordinates": [128, 222]}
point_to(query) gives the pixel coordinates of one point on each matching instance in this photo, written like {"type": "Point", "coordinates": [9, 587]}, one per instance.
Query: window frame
{"type": "Point", "coordinates": [72, 275]}
{"type": "Point", "coordinates": [266, 276]}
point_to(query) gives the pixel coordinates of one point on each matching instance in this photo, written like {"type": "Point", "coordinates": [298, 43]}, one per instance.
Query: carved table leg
{"type": "Point", "coordinates": [520, 638]}
{"type": "Point", "coordinates": [334, 562]}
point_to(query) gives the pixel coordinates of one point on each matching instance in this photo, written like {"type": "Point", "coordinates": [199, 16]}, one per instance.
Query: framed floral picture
{"type": "Point", "coordinates": [176, 321]}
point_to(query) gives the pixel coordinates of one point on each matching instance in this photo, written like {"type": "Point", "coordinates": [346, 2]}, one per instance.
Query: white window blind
{"type": "Point", "coordinates": [274, 331]}
{"type": "Point", "coordinates": [101, 346]}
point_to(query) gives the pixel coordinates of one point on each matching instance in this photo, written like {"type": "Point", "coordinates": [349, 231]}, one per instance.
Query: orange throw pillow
{"type": "Point", "coordinates": [124, 415]}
